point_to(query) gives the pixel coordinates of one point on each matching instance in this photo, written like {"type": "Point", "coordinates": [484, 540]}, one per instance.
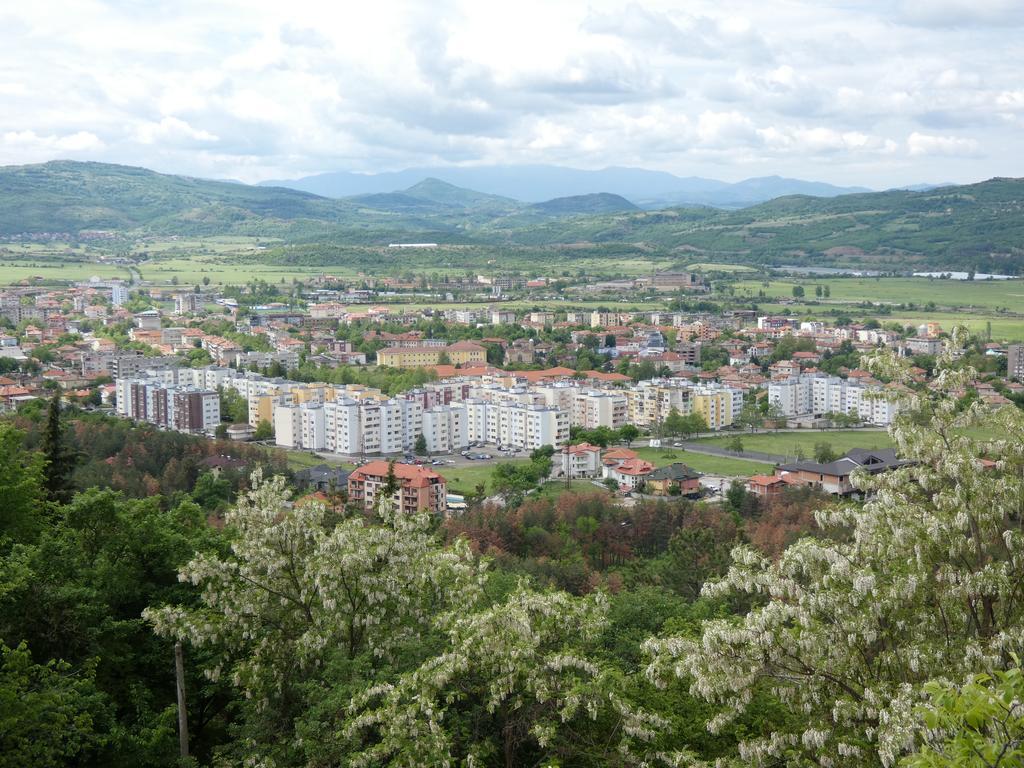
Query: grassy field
{"type": "Point", "coordinates": [983, 294]}
{"type": "Point", "coordinates": [709, 465]}
{"type": "Point", "coordinates": [786, 443]}
{"type": "Point", "coordinates": [13, 271]}
{"type": "Point", "coordinates": [465, 479]}
{"type": "Point", "coordinates": [223, 271]}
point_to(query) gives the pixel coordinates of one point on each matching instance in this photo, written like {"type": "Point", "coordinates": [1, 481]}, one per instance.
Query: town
{"type": "Point", "coordinates": [330, 373]}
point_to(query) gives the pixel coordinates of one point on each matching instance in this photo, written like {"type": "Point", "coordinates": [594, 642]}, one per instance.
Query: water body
{"type": "Point", "coordinates": [828, 271]}
{"type": "Point", "coordinates": [965, 275]}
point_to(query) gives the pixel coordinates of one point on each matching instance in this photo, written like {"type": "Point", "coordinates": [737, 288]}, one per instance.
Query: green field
{"type": "Point", "coordinates": [13, 271]}
{"type": "Point", "coordinates": [464, 479]}
{"type": "Point", "coordinates": [225, 271]}
{"type": "Point", "coordinates": [983, 294]}
{"type": "Point", "coordinates": [709, 465]}
{"type": "Point", "coordinates": [786, 443]}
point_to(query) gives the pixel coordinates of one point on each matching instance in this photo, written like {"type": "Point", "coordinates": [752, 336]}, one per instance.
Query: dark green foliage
{"type": "Point", "coordinates": [60, 458]}
{"type": "Point", "coordinates": [50, 714]}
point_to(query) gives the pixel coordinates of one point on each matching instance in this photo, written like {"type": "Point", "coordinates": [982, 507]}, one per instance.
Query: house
{"type": "Point", "coordinates": [834, 477]}
{"type": "Point", "coordinates": [420, 488]}
{"type": "Point", "coordinates": [629, 474]}
{"type": "Point", "coordinates": [674, 479]}
{"type": "Point", "coordinates": [322, 478]}
{"type": "Point", "coordinates": [583, 460]}
{"type": "Point", "coordinates": [765, 486]}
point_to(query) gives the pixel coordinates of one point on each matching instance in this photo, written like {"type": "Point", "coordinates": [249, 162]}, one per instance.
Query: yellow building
{"type": "Point", "coordinates": [460, 353]}
{"type": "Point", "coordinates": [715, 407]}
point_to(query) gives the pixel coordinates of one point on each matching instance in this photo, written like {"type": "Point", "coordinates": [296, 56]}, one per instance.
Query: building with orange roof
{"type": "Point", "coordinates": [420, 488]}
{"type": "Point", "coordinates": [581, 460]}
{"type": "Point", "coordinates": [629, 474]}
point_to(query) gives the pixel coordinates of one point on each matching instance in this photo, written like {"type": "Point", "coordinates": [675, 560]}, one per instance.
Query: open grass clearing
{"type": "Point", "coordinates": [709, 465]}
{"type": "Point", "coordinates": [787, 443]}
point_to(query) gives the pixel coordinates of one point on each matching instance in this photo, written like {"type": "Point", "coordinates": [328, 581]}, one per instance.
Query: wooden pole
{"type": "Point", "coordinates": [179, 670]}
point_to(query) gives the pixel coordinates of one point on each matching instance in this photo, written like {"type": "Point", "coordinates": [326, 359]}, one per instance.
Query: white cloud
{"type": "Point", "coordinates": [253, 89]}
{"type": "Point", "coordinates": [921, 144]}
{"type": "Point", "coordinates": [171, 130]}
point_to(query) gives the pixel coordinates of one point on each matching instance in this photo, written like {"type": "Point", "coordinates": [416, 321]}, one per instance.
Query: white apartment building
{"type": "Point", "coordinates": [817, 394]}
{"type": "Point", "coordinates": [445, 429]}
{"type": "Point", "coordinates": [597, 408]}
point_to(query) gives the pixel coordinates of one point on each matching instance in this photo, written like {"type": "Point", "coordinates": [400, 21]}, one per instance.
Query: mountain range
{"type": "Point", "coordinates": [538, 183]}
{"type": "Point", "coordinates": [979, 226]}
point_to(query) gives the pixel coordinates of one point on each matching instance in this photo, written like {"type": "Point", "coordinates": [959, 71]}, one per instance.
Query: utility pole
{"type": "Point", "coordinates": [179, 670]}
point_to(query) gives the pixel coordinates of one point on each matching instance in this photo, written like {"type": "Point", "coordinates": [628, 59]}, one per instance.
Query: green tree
{"type": "Point", "coordinates": [22, 487]}
{"type": "Point", "coordinates": [798, 291]}
{"type": "Point", "coordinates": [735, 444]}
{"type": "Point", "coordinates": [295, 595]}
{"type": "Point", "coordinates": [977, 725]}
{"type": "Point", "coordinates": [421, 445]}
{"type": "Point", "coordinates": [264, 430]}
{"type": "Point", "coordinates": [851, 628]}
{"type": "Point", "coordinates": [823, 453]}
{"type": "Point", "coordinates": [514, 685]}
{"type": "Point", "coordinates": [674, 423]}
{"type": "Point", "coordinates": [750, 415]}
{"type": "Point", "coordinates": [628, 433]}
{"type": "Point", "coordinates": [50, 714]}
{"type": "Point", "coordinates": [60, 457]}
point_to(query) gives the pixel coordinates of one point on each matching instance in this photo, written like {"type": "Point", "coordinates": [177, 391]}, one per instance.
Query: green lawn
{"type": "Point", "coordinates": [464, 480]}
{"type": "Point", "coordinates": [709, 465]}
{"type": "Point", "coordinates": [786, 443]}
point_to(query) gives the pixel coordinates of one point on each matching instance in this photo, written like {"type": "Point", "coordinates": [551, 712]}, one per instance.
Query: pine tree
{"type": "Point", "coordinates": [60, 459]}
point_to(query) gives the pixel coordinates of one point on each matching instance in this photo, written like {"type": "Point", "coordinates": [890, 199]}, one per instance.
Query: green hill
{"type": "Point", "coordinates": [978, 226]}
{"type": "Point", "coordinates": [601, 202]}
{"type": "Point", "coordinates": [64, 196]}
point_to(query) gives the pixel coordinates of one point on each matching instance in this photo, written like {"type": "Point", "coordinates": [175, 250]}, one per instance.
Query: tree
{"type": "Point", "coordinates": [977, 725]}
{"type": "Point", "coordinates": [264, 430]}
{"type": "Point", "coordinates": [823, 453]}
{"type": "Point", "coordinates": [735, 444]}
{"type": "Point", "coordinates": [421, 445]}
{"type": "Point", "coordinates": [798, 291]}
{"type": "Point", "coordinates": [60, 457]}
{"type": "Point", "coordinates": [628, 433]}
{"type": "Point", "coordinates": [514, 685]}
{"type": "Point", "coordinates": [293, 593]}
{"type": "Point", "coordinates": [851, 627]}
{"type": "Point", "coordinates": [22, 487]}
{"type": "Point", "coordinates": [750, 415]}
{"type": "Point", "coordinates": [50, 714]}
{"type": "Point", "coordinates": [674, 423]}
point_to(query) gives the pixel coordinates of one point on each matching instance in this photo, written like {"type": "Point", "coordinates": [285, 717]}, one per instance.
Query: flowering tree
{"type": "Point", "coordinates": [922, 581]}
{"type": "Point", "coordinates": [513, 686]}
{"type": "Point", "coordinates": [293, 590]}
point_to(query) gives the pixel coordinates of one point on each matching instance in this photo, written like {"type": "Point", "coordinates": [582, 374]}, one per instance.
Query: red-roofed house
{"type": "Point", "coordinates": [419, 487]}
{"type": "Point", "coordinates": [583, 460]}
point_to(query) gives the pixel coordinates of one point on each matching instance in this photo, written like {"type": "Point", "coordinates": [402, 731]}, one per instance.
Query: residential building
{"type": "Point", "coordinates": [419, 488]}
{"type": "Point", "coordinates": [1015, 361]}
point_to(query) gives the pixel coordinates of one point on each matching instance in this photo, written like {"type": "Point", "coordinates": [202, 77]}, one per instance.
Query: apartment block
{"type": "Point", "coordinates": [419, 488]}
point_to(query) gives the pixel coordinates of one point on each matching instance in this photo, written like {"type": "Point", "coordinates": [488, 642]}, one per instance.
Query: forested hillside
{"type": "Point", "coordinates": [979, 226]}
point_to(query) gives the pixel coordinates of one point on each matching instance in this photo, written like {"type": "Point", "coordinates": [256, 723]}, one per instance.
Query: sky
{"type": "Point", "coordinates": [874, 93]}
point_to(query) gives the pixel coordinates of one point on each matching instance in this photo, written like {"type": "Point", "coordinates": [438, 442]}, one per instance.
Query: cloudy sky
{"type": "Point", "coordinates": [851, 92]}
